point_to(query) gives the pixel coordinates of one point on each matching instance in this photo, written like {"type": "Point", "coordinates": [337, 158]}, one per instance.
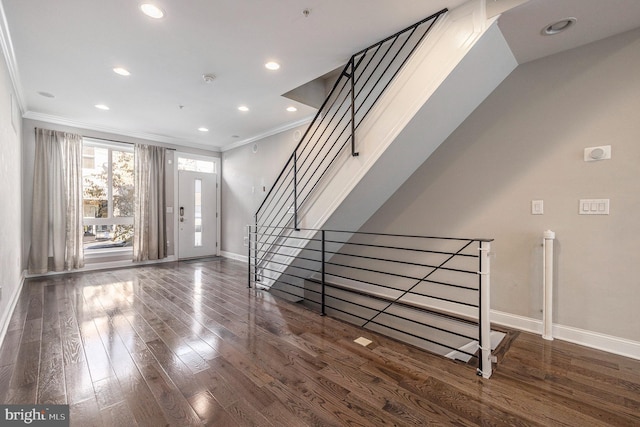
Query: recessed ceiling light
{"type": "Point", "coordinates": [101, 107]}
{"type": "Point", "coordinates": [292, 109]}
{"type": "Point", "coordinates": [46, 94]}
{"type": "Point", "coordinates": [121, 71]}
{"type": "Point", "coordinates": [152, 11]}
{"type": "Point", "coordinates": [243, 108]}
{"type": "Point", "coordinates": [203, 129]}
{"type": "Point", "coordinates": [558, 26]}
{"type": "Point", "coordinates": [272, 66]}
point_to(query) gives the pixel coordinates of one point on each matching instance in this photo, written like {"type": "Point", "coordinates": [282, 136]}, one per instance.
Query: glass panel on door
{"type": "Point", "coordinates": [198, 212]}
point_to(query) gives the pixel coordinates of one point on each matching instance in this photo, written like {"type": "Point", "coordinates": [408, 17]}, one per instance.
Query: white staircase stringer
{"type": "Point", "coordinates": [461, 61]}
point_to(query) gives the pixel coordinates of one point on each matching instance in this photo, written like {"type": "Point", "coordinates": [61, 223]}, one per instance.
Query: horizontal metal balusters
{"type": "Point", "coordinates": [426, 290]}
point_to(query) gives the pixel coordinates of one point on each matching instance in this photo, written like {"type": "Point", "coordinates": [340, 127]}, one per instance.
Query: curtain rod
{"type": "Point", "coordinates": [120, 142]}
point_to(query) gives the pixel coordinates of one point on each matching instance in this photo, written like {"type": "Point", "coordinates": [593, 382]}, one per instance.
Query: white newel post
{"type": "Point", "coordinates": [547, 267]}
{"type": "Point", "coordinates": [485, 307]}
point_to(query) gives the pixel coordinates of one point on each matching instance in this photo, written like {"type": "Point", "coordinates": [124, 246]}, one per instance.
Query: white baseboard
{"type": "Point", "coordinates": [106, 266]}
{"type": "Point", "coordinates": [517, 322]}
{"type": "Point", "coordinates": [231, 255]}
{"type": "Point", "coordinates": [609, 343]}
{"type": "Point", "coordinates": [13, 301]}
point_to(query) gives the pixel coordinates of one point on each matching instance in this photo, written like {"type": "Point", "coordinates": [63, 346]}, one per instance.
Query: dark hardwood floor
{"type": "Point", "coordinates": [187, 344]}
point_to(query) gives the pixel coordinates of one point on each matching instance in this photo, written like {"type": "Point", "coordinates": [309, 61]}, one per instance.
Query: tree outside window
{"type": "Point", "coordinates": [108, 196]}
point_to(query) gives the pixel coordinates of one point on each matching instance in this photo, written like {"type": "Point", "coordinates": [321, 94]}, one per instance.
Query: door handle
{"type": "Point", "coordinates": [181, 211]}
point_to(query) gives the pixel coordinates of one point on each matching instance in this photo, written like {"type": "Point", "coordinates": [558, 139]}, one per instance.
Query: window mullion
{"type": "Point", "coordinates": [110, 185]}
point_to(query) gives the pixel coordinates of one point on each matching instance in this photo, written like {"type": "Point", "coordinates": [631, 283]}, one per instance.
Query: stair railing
{"type": "Point", "coordinates": [359, 86]}
{"type": "Point", "coordinates": [430, 291]}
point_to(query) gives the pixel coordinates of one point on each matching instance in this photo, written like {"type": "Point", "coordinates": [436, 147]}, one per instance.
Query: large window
{"type": "Point", "coordinates": [108, 181]}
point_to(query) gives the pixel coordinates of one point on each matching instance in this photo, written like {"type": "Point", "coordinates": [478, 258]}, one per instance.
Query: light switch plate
{"type": "Point", "coordinates": [537, 207]}
{"type": "Point", "coordinates": [594, 207]}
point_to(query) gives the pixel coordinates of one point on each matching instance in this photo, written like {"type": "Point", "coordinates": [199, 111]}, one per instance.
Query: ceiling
{"type": "Point", "coordinates": [68, 49]}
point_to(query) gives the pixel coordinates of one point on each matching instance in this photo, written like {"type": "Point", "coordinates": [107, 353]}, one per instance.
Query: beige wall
{"type": "Point", "coordinates": [244, 174]}
{"type": "Point", "coordinates": [28, 153]}
{"type": "Point", "coordinates": [10, 195]}
{"type": "Point", "coordinates": [526, 142]}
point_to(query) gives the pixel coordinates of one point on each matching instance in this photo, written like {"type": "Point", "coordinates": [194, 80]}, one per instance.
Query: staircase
{"type": "Point", "coordinates": [393, 104]}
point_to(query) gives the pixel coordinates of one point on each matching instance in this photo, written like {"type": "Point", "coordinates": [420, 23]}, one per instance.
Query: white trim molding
{"type": "Point", "coordinates": [266, 134]}
{"type": "Point", "coordinates": [231, 255]}
{"type": "Point", "coordinates": [604, 342]}
{"type": "Point", "coordinates": [107, 266]}
{"type": "Point", "coordinates": [63, 121]}
{"type": "Point", "coordinates": [13, 301]}
{"type": "Point", "coordinates": [9, 54]}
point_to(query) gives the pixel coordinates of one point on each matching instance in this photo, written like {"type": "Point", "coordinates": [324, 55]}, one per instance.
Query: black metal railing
{"type": "Point", "coordinates": [359, 86]}
{"type": "Point", "coordinates": [432, 292]}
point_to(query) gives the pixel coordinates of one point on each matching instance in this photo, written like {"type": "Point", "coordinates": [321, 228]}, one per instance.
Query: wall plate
{"type": "Point", "coordinates": [537, 207]}
{"type": "Point", "coordinates": [594, 207]}
{"type": "Point", "coordinates": [594, 154]}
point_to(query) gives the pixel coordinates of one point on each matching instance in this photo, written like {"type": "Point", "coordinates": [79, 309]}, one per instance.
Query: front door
{"type": "Point", "coordinates": [197, 224]}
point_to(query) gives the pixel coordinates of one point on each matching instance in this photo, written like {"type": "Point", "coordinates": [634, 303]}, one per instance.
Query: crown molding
{"type": "Point", "coordinates": [175, 142]}
{"type": "Point", "coordinates": [10, 58]}
{"type": "Point", "coordinates": [267, 134]}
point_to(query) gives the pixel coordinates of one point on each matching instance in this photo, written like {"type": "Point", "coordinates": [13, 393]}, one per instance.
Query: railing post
{"type": "Point", "coordinates": [484, 307]}
{"type": "Point", "coordinates": [322, 252]}
{"type": "Point", "coordinates": [249, 257]}
{"type": "Point", "coordinates": [295, 191]}
{"type": "Point", "coordinates": [547, 266]}
{"type": "Point", "coordinates": [255, 253]}
{"type": "Point", "coordinates": [352, 77]}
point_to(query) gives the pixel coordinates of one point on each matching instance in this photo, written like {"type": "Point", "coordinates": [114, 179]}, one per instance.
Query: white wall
{"type": "Point", "coordinates": [244, 174]}
{"type": "Point", "coordinates": [526, 142]}
{"type": "Point", "coordinates": [10, 196]}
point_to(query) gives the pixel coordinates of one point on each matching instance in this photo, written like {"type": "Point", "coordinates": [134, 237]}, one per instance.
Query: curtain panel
{"type": "Point", "coordinates": [149, 218]}
{"type": "Point", "coordinates": [56, 218]}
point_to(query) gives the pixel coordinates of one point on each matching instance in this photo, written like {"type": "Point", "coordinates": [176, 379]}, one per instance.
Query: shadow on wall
{"type": "Point", "coordinates": [526, 142]}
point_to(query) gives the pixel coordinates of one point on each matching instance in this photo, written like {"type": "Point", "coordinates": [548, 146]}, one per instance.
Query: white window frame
{"type": "Point", "coordinates": [110, 220]}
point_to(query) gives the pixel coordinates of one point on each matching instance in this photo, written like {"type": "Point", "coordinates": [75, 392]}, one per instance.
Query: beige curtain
{"type": "Point", "coordinates": [149, 219]}
{"type": "Point", "coordinates": [56, 218]}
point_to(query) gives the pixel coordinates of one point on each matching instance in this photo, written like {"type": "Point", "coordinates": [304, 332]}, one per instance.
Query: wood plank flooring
{"type": "Point", "coordinates": [187, 344]}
